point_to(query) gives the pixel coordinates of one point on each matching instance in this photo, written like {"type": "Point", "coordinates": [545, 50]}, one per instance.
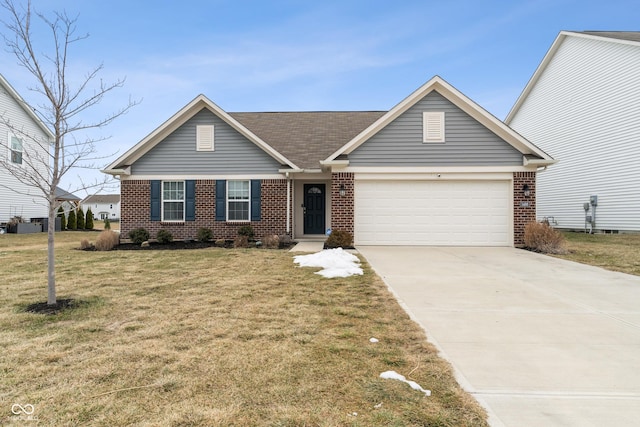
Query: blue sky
{"type": "Point", "coordinates": [288, 55]}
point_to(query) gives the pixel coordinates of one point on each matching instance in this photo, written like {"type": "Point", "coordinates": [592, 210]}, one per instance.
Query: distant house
{"type": "Point", "coordinates": [103, 206]}
{"type": "Point", "coordinates": [24, 139]}
{"type": "Point", "coordinates": [582, 106]}
{"type": "Point", "coordinates": [436, 169]}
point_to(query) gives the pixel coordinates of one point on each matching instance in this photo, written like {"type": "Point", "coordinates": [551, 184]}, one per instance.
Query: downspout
{"type": "Point", "coordinates": [288, 203]}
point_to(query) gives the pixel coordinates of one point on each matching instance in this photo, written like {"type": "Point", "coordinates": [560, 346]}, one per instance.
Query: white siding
{"type": "Point", "coordinates": [17, 198]}
{"type": "Point", "coordinates": [585, 112]}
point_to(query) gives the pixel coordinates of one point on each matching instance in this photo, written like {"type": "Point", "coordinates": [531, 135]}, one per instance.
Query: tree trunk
{"type": "Point", "coordinates": [51, 260]}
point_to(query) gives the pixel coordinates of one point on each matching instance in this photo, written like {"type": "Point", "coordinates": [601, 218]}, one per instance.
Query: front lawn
{"type": "Point", "coordinates": [617, 252]}
{"type": "Point", "coordinates": [230, 337]}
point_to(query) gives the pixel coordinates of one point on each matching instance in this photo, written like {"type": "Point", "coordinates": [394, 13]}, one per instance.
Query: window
{"type": "Point", "coordinates": [204, 138]}
{"type": "Point", "coordinates": [238, 200]}
{"type": "Point", "coordinates": [15, 150]}
{"type": "Point", "coordinates": [173, 201]}
{"type": "Point", "coordinates": [433, 126]}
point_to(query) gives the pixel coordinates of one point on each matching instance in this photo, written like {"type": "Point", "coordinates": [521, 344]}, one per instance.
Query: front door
{"type": "Point", "coordinates": [314, 208]}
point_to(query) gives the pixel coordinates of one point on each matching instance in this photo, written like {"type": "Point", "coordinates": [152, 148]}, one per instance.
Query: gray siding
{"type": "Point", "coordinates": [177, 155]}
{"type": "Point", "coordinates": [468, 143]}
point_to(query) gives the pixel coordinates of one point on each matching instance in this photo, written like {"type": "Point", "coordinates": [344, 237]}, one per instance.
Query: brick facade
{"type": "Point", "coordinates": [524, 208]}
{"type": "Point", "coordinates": [342, 206]}
{"type": "Point", "coordinates": [136, 211]}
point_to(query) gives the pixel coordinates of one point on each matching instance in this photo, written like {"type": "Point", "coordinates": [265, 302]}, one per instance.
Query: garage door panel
{"type": "Point", "coordinates": [454, 213]}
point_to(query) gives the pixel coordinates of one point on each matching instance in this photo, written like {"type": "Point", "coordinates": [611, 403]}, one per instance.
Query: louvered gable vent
{"type": "Point", "coordinates": [204, 138]}
{"type": "Point", "coordinates": [433, 126]}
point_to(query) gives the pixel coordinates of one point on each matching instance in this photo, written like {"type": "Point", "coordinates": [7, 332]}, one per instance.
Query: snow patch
{"type": "Point", "coordinates": [334, 263]}
{"type": "Point", "coordinates": [393, 375]}
{"type": "Point", "coordinates": [374, 340]}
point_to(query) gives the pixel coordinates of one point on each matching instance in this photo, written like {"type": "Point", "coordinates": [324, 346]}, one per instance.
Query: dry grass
{"type": "Point", "coordinates": [214, 336]}
{"type": "Point", "coordinates": [616, 252]}
{"type": "Point", "coordinates": [107, 240]}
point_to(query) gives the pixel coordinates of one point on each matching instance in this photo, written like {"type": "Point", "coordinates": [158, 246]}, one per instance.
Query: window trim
{"type": "Point", "coordinates": [433, 127]}
{"type": "Point", "coordinates": [10, 137]}
{"type": "Point", "coordinates": [247, 201]}
{"type": "Point", "coordinates": [183, 201]}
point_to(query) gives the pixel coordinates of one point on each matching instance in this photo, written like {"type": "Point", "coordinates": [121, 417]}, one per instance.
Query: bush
{"type": "Point", "coordinates": [241, 242]}
{"type": "Point", "coordinates": [72, 224]}
{"type": "Point", "coordinates": [339, 239]}
{"type": "Point", "coordinates": [164, 236]}
{"type": "Point", "coordinates": [247, 231]}
{"type": "Point", "coordinates": [204, 234]}
{"type": "Point", "coordinates": [107, 224]}
{"type": "Point", "coordinates": [63, 219]}
{"type": "Point", "coordinates": [80, 218]}
{"type": "Point", "coordinates": [271, 241]}
{"type": "Point", "coordinates": [139, 235]}
{"type": "Point", "coordinates": [88, 221]}
{"type": "Point", "coordinates": [85, 245]}
{"type": "Point", "coordinates": [541, 237]}
{"type": "Point", "coordinates": [107, 240]}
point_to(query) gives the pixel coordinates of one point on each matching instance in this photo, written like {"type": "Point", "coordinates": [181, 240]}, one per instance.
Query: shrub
{"type": "Point", "coordinates": [63, 219]}
{"type": "Point", "coordinates": [204, 234]}
{"type": "Point", "coordinates": [541, 237]}
{"type": "Point", "coordinates": [284, 240]}
{"type": "Point", "coordinates": [88, 221]}
{"type": "Point", "coordinates": [72, 224]}
{"type": "Point", "coordinates": [220, 243]}
{"type": "Point", "coordinates": [241, 242]}
{"type": "Point", "coordinates": [339, 239]}
{"type": "Point", "coordinates": [246, 230]}
{"type": "Point", "coordinates": [139, 235]}
{"type": "Point", "coordinates": [107, 224]}
{"type": "Point", "coordinates": [271, 241]}
{"type": "Point", "coordinates": [164, 236]}
{"type": "Point", "coordinates": [85, 245]}
{"type": "Point", "coordinates": [80, 218]}
{"type": "Point", "coordinates": [107, 240]}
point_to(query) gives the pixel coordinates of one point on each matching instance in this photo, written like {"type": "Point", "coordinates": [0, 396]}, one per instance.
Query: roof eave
{"type": "Point", "coordinates": [26, 107]}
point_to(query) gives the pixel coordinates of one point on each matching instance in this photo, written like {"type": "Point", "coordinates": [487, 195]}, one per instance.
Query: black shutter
{"type": "Point", "coordinates": [190, 199]}
{"type": "Point", "coordinates": [155, 200]}
{"type": "Point", "coordinates": [221, 200]}
{"type": "Point", "coordinates": [255, 200]}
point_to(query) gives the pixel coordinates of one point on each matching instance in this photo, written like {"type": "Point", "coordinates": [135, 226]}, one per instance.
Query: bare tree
{"type": "Point", "coordinates": [64, 108]}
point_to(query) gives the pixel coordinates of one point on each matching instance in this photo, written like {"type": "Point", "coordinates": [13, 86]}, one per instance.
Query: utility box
{"type": "Point", "coordinates": [593, 200]}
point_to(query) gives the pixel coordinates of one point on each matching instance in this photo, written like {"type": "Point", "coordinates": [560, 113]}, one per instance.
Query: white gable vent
{"type": "Point", "coordinates": [433, 126]}
{"type": "Point", "coordinates": [204, 138]}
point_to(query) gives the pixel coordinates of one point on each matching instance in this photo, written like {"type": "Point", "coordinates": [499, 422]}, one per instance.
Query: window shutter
{"type": "Point", "coordinates": [255, 200]}
{"type": "Point", "coordinates": [221, 200]}
{"type": "Point", "coordinates": [190, 200]}
{"type": "Point", "coordinates": [433, 126]}
{"type": "Point", "coordinates": [204, 138]}
{"type": "Point", "coordinates": [155, 200]}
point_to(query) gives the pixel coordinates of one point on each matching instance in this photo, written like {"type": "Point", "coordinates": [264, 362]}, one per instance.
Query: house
{"type": "Point", "coordinates": [582, 107]}
{"type": "Point", "coordinates": [24, 141]}
{"type": "Point", "coordinates": [68, 201]}
{"type": "Point", "coordinates": [103, 206]}
{"type": "Point", "coordinates": [436, 169]}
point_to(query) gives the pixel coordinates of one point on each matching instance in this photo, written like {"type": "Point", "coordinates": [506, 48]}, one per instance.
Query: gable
{"type": "Point", "coordinates": [467, 141]}
{"type": "Point", "coordinates": [176, 154]}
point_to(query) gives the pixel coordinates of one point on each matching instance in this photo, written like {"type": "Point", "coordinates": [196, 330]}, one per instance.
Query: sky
{"type": "Point", "coordinates": [287, 55]}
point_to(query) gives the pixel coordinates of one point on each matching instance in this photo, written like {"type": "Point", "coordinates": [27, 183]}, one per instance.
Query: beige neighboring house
{"type": "Point", "coordinates": [103, 206]}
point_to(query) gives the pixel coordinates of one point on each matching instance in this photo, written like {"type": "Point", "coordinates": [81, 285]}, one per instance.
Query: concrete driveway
{"type": "Point", "coordinates": [537, 340]}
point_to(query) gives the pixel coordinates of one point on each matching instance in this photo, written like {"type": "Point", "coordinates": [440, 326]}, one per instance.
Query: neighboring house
{"type": "Point", "coordinates": [582, 106]}
{"type": "Point", "coordinates": [103, 206]}
{"type": "Point", "coordinates": [24, 140]}
{"type": "Point", "coordinates": [436, 169]}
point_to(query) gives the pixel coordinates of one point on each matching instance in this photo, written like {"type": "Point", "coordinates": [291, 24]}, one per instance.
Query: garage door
{"type": "Point", "coordinates": [437, 213]}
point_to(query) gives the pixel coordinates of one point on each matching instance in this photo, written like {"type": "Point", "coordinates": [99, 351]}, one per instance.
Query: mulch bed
{"type": "Point", "coordinates": [44, 308]}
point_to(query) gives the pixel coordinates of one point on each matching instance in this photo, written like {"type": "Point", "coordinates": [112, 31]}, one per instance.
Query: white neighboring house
{"type": "Point", "coordinates": [582, 106]}
{"type": "Point", "coordinates": [24, 143]}
{"type": "Point", "coordinates": [103, 206]}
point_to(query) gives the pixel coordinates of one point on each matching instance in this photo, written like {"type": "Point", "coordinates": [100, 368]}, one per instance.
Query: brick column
{"type": "Point", "coordinates": [342, 206]}
{"type": "Point", "coordinates": [524, 208]}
